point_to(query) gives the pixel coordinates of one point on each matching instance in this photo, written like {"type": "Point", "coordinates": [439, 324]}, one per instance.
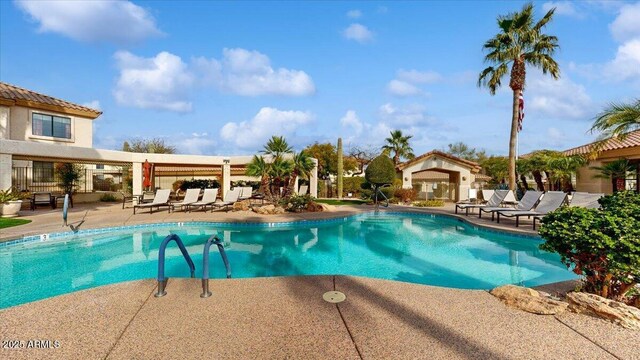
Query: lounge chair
{"type": "Point", "coordinates": [527, 203]}
{"type": "Point", "coordinates": [190, 197]}
{"type": "Point", "coordinates": [303, 190]}
{"type": "Point", "coordinates": [551, 201]}
{"type": "Point", "coordinates": [208, 198]}
{"type": "Point", "coordinates": [495, 200]}
{"type": "Point", "coordinates": [245, 193]}
{"type": "Point", "coordinates": [472, 197]}
{"type": "Point", "coordinates": [585, 200]}
{"type": "Point", "coordinates": [486, 195]}
{"type": "Point", "coordinates": [230, 198]}
{"type": "Point", "coordinates": [160, 200]}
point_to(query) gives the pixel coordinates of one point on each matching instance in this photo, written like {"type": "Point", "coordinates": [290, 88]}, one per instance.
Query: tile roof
{"type": "Point", "coordinates": [473, 165]}
{"type": "Point", "coordinates": [632, 140]}
{"type": "Point", "coordinates": [14, 95]}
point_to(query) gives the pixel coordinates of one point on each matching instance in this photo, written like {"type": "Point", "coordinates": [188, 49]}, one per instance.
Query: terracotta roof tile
{"type": "Point", "coordinates": [16, 94]}
{"type": "Point", "coordinates": [632, 140]}
{"type": "Point", "coordinates": [471, 164]}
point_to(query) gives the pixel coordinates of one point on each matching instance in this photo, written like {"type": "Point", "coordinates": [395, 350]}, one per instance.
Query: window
{"type": "Point", "coordinates": [42, 171]}
{"type": "Point", "coordinates": [51, 125]}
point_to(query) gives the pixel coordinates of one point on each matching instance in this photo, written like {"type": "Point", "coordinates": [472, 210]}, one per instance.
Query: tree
{"type": "Point", "coordinates": [277, 146]}
{"type": "Point", "coordinates": [362, 156]}
{"type": "Point", "coordinates": [69, 175]}
{"type": "Point", "coordinates": [519, 43]}
{"type": "Point", "coordinates": [618, 120]}
{"type": "Point", "coordinates": [399, 145]}
{"type": "Point", "coordinates": [466, 152]}
{"type": "Point", "coordinates": [149, 146]}
{"type": "Point", "coordinates": [260, 168]}
{"type": "Point", "coordinates": [340, 168]}
{"type": "Point", "coordinates": [327, 155]}
{"type": "Point", "coordinates": [497, 168]}
{"type": "Point", "coordinates": [302, 165]}
{"type": "Point", "coordinates": [616, 171]}
{"type": "Point", "coordinates": [381, 171]}
{"type": "Point", "coordinates": [563, 168]}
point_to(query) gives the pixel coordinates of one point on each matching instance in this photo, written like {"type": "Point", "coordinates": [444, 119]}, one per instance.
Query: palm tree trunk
{"type": "Point", "coordinates": [537, 176]}
{"type": "Point", "coordinates": [513, 141]}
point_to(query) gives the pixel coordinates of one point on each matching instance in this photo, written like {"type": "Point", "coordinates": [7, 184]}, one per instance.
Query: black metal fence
{"type": "Point", "coordinates": [35, 179]}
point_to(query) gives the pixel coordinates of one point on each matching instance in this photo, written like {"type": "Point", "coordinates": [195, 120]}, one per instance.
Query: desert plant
{"type": "Point", "coordinates": [69, 175]}
{"type": "Point", "coordinates": [340, 169]}
{"type": "Point", "coordinates": [11, 194]}
{"type": "Point", "coordinates": [296, 203]}
{"type": "Point", "coordinates": [616, 171]}
{"type": "Point", "coordinates": [603, 245]}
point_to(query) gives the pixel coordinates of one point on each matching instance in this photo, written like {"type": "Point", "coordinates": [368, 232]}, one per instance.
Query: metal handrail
{"type": "Point", "coordinates": [205, 264]}
{"type": "Point", "coordinates": [162, 281]}
{"type": "Point", "coordinates": [383, 195]}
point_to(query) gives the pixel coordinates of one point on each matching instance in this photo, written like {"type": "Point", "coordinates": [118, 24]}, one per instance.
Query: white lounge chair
{"type": "Point", "coordinates": [245, 193]}
{"type": "Point", "coordinates": [527, 203]}
{"type": "Point", "coordinates": [303, 190]}
{"type": "Point", "coordinates": [586, 200]}
{"type": "Point", "coordinates": [551, 201]}
{"type": "Point", "coordinates": [495, 200]}
{"type": "Point", "coordinates": [487, 194]}
{"type": "Point", "coordinates": [190, 197]}
{"type": "Point", "coordinates": [230, 198]}
{"type": "Point", "coordinates": [160, 200]}
{"type": "Point", "coordinates": [208, 198]}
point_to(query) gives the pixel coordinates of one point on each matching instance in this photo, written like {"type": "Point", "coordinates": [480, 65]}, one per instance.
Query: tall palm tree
{"type": "Point", "coordinates": [399, 145]}
{"type": "Point", "coordinates": [260, 168]}
{"type": "Point", "coordinates": [616, 171]}
{"type": "Point", "coordinates": [519, 43]}
{"type": "Point", "coordinates": [279, 171]}
{"type": "Point", "coordinates": [563, 168]}
{"type": "Point", "coordinates": [277, 146]}
{"type": "Point", "coordinates": [302, 167]}
{"type": "Point", "coordinates": [618, 120]}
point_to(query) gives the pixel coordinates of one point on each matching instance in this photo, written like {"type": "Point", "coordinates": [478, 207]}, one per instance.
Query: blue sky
{"type": "Point", "coordinates": [220, 78]}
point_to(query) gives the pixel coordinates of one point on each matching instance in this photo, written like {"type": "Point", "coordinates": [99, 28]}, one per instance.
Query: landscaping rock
{"type": "Point", "coordinates": [243, 205]}
{"type": "Point", "coordinates": [315, 207]}
{"type": "Point", "coordinates": [614, 311]}
{"type": "Point", "coordinates": [528, 300]}
{"type": "Point", "coordinates": [278, 210]}
{"type": "Point", "coordinates": [265, 209]}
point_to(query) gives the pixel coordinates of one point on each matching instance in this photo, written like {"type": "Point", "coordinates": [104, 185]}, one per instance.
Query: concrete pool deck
{"type": "Point", "coordinates": [286, 317]}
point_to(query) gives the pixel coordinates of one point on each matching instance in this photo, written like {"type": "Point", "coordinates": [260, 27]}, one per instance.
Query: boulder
{"type": "Point", "coordinates": [528, 300]}
{"type": "Point", "coordinates": [243, 205]}
{"type": "Point", "coordinates": [614, 311]}
{"type": "Point", "coordinates": [278, 210]}
{"type": "Point", "coordinates": [265, 209]}
{"type": "Point", "coordinates": [315, 207]}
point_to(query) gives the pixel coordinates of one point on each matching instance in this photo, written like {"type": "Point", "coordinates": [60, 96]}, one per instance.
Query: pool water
{"type": "Point", "coordinates": [417, 248]}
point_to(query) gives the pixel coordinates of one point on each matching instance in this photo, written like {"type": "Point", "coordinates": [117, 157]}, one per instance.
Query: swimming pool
{"type": "Point", "coordinates": [418, 248]}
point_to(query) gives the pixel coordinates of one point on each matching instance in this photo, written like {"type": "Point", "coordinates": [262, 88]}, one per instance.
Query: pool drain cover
{"type": "Point", "coordinates": [334, 297]}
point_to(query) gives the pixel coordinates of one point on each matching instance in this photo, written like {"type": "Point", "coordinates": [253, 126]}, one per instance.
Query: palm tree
{"type": "Point", "coordinates": [276, 146]}
{"type": "Point", "coordinates": [302, 167]}
{"type": "Point", "coordinates": [618, 120]}
{"type": "Point", "coordinates": [260, 168]}
{"type": "Point", "coordinates": [563, 168]}
{"type": "Point", "coordinates": [519, 43]}
{"type": "Point", "coordinates": [616, 171]}
{"type": "Point", "coordinates": [399, 144]}
{"type": "Point", "coordinates": [279, 170]}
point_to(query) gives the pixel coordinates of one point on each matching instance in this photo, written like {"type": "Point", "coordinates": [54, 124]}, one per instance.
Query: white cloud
{"type": "Point", "coordinates": [402, 88]}
{"type": "Point", "coordinates": [626, 64]}
{"type": "Point", "coordinates": [250, 73]}
{"type": "Point", "coordinates": [250, 135]}
{"type": "Point", "coordinates": [358, 32]}
{"type": "Point", "coordinates": [555, 137]}
{"type": "Point", "coordinates": [557, 99]}
{"type": "Point", "coordinates": [195, 143]}
{"type": "Point", "coordinates": [354, 14]}
{"type": "Point", "coordinates": [93, 21]}
{"type": "Point", "coordinates": [419, 77]}
{"type": "Point", "coordinates": [562, 8]}
{"type": "Point", "coordinates": [626, 26]}
{"type": "Point", "coordinates": [161, 82]}
{"type": "Point", "coordinates": [94, 104]}
{"type": "Point", "coordinates": [351, 121]}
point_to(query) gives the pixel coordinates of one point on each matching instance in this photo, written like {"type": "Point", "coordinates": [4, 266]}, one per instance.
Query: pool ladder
{"type": "Point", "coordinates": [162, 280]}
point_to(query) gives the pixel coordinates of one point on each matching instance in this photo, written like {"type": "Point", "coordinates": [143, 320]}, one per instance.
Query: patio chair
{"type": "Point", "coordinates": [208, 198]}
{"type": "Point", "coordinates": [585, 200]}
{"type": "Point", "coordinates": [495, 200]}
{"type": "Point", "coordinates": [245, 193]}
{"type": "Point", "coordinates": [527, 203]}
{"type": "Point", "coordinates": [230, 198]}
{"type": "Point", "coordinates": [42, 198]}
{"type": "Point", "coordinates": [551, 201]}
{"type": "Point", "coordinates": [190, 197]}
{"type": "Point", "coordinates": [160, 200]}
{"type": "Point", "coordinates": [472, 198]}
{"type": "Point", "coordinates": [303, 190]}
{"type": "Point", "coordinates": [486, 195]}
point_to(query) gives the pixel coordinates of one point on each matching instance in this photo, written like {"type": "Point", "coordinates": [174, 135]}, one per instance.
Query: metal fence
{"type": "Point", "coordinates": [36, 179]}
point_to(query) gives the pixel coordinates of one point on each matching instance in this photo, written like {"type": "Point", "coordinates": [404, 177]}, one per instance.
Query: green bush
{"type": "Point", "coordinates": [296, 203]}
{"type": "Point", "coordinates": [199, 184]}
{"type": "Point", "coordinates": [405, 195]}
{"type": "Point", "coordinates": [352, 185]}
{"type": "Point", "coordinates": [108, 198]}
{"type": "Point", "coordinates": [429, 203]}
{"type": "Point", "coordinates": [380, 171]}
{"type": "Point", "coordinates": [603, 246]}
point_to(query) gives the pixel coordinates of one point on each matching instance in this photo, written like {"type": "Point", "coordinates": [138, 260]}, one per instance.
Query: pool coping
{"type": "Point", "coordinates": [4, 243]}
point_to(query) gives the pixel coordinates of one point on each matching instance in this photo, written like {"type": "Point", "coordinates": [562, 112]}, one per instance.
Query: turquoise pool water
{"type": "Point", "coordinates": [417, 248]}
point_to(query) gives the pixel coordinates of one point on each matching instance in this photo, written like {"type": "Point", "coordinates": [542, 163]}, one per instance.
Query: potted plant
{"type": "Point", "coordinates": [10, 202]}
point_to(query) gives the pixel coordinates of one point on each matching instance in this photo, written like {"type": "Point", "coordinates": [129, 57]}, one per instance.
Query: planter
{"type": "Point", "coordinates": [10, 208]}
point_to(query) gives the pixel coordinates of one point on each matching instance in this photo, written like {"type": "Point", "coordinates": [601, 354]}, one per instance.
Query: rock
{"type": "Point", "coordinates": [528, 300]}
{"type": "Point", "coordinates": [278, 210]}
{"type": "Point", "coordinates": [315, 207]}
{"type": "Point", "coordinates": [327, 207]}
{"type": "Point", "coordinates": [614, 311]}
{"type": "Point", "coordinates": [265, 210]}
{"type": "Point", "coordinates": [243, 205]}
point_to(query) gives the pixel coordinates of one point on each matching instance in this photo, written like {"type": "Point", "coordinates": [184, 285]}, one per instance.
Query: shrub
{"type": "Point", "coordinates": [199, 184]}
{"type": "Point", "coordinates": [108, 198]}
{"type": "Point", "coordinates": [296, 203]}
{"type": "Point", "coordinates": [405, 195]}
{"type": "Point", "coordinates": [603, 246]}
{"type": "Point", "coordinates": [353, 185]}
{"type": "Point", "coordinates": [429, 203]}
{"type": "Point", "coordinates": [380, 171]}
{"type": "Point", "coordinates": [69, 175]}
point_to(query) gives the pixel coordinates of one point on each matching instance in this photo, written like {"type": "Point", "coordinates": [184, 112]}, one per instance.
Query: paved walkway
{"type": "Point", "coordinates": [286, 317]}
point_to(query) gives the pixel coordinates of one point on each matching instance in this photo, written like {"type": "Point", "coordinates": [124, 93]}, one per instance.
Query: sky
{"type": "Point", "coordinates": [223, 77]}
